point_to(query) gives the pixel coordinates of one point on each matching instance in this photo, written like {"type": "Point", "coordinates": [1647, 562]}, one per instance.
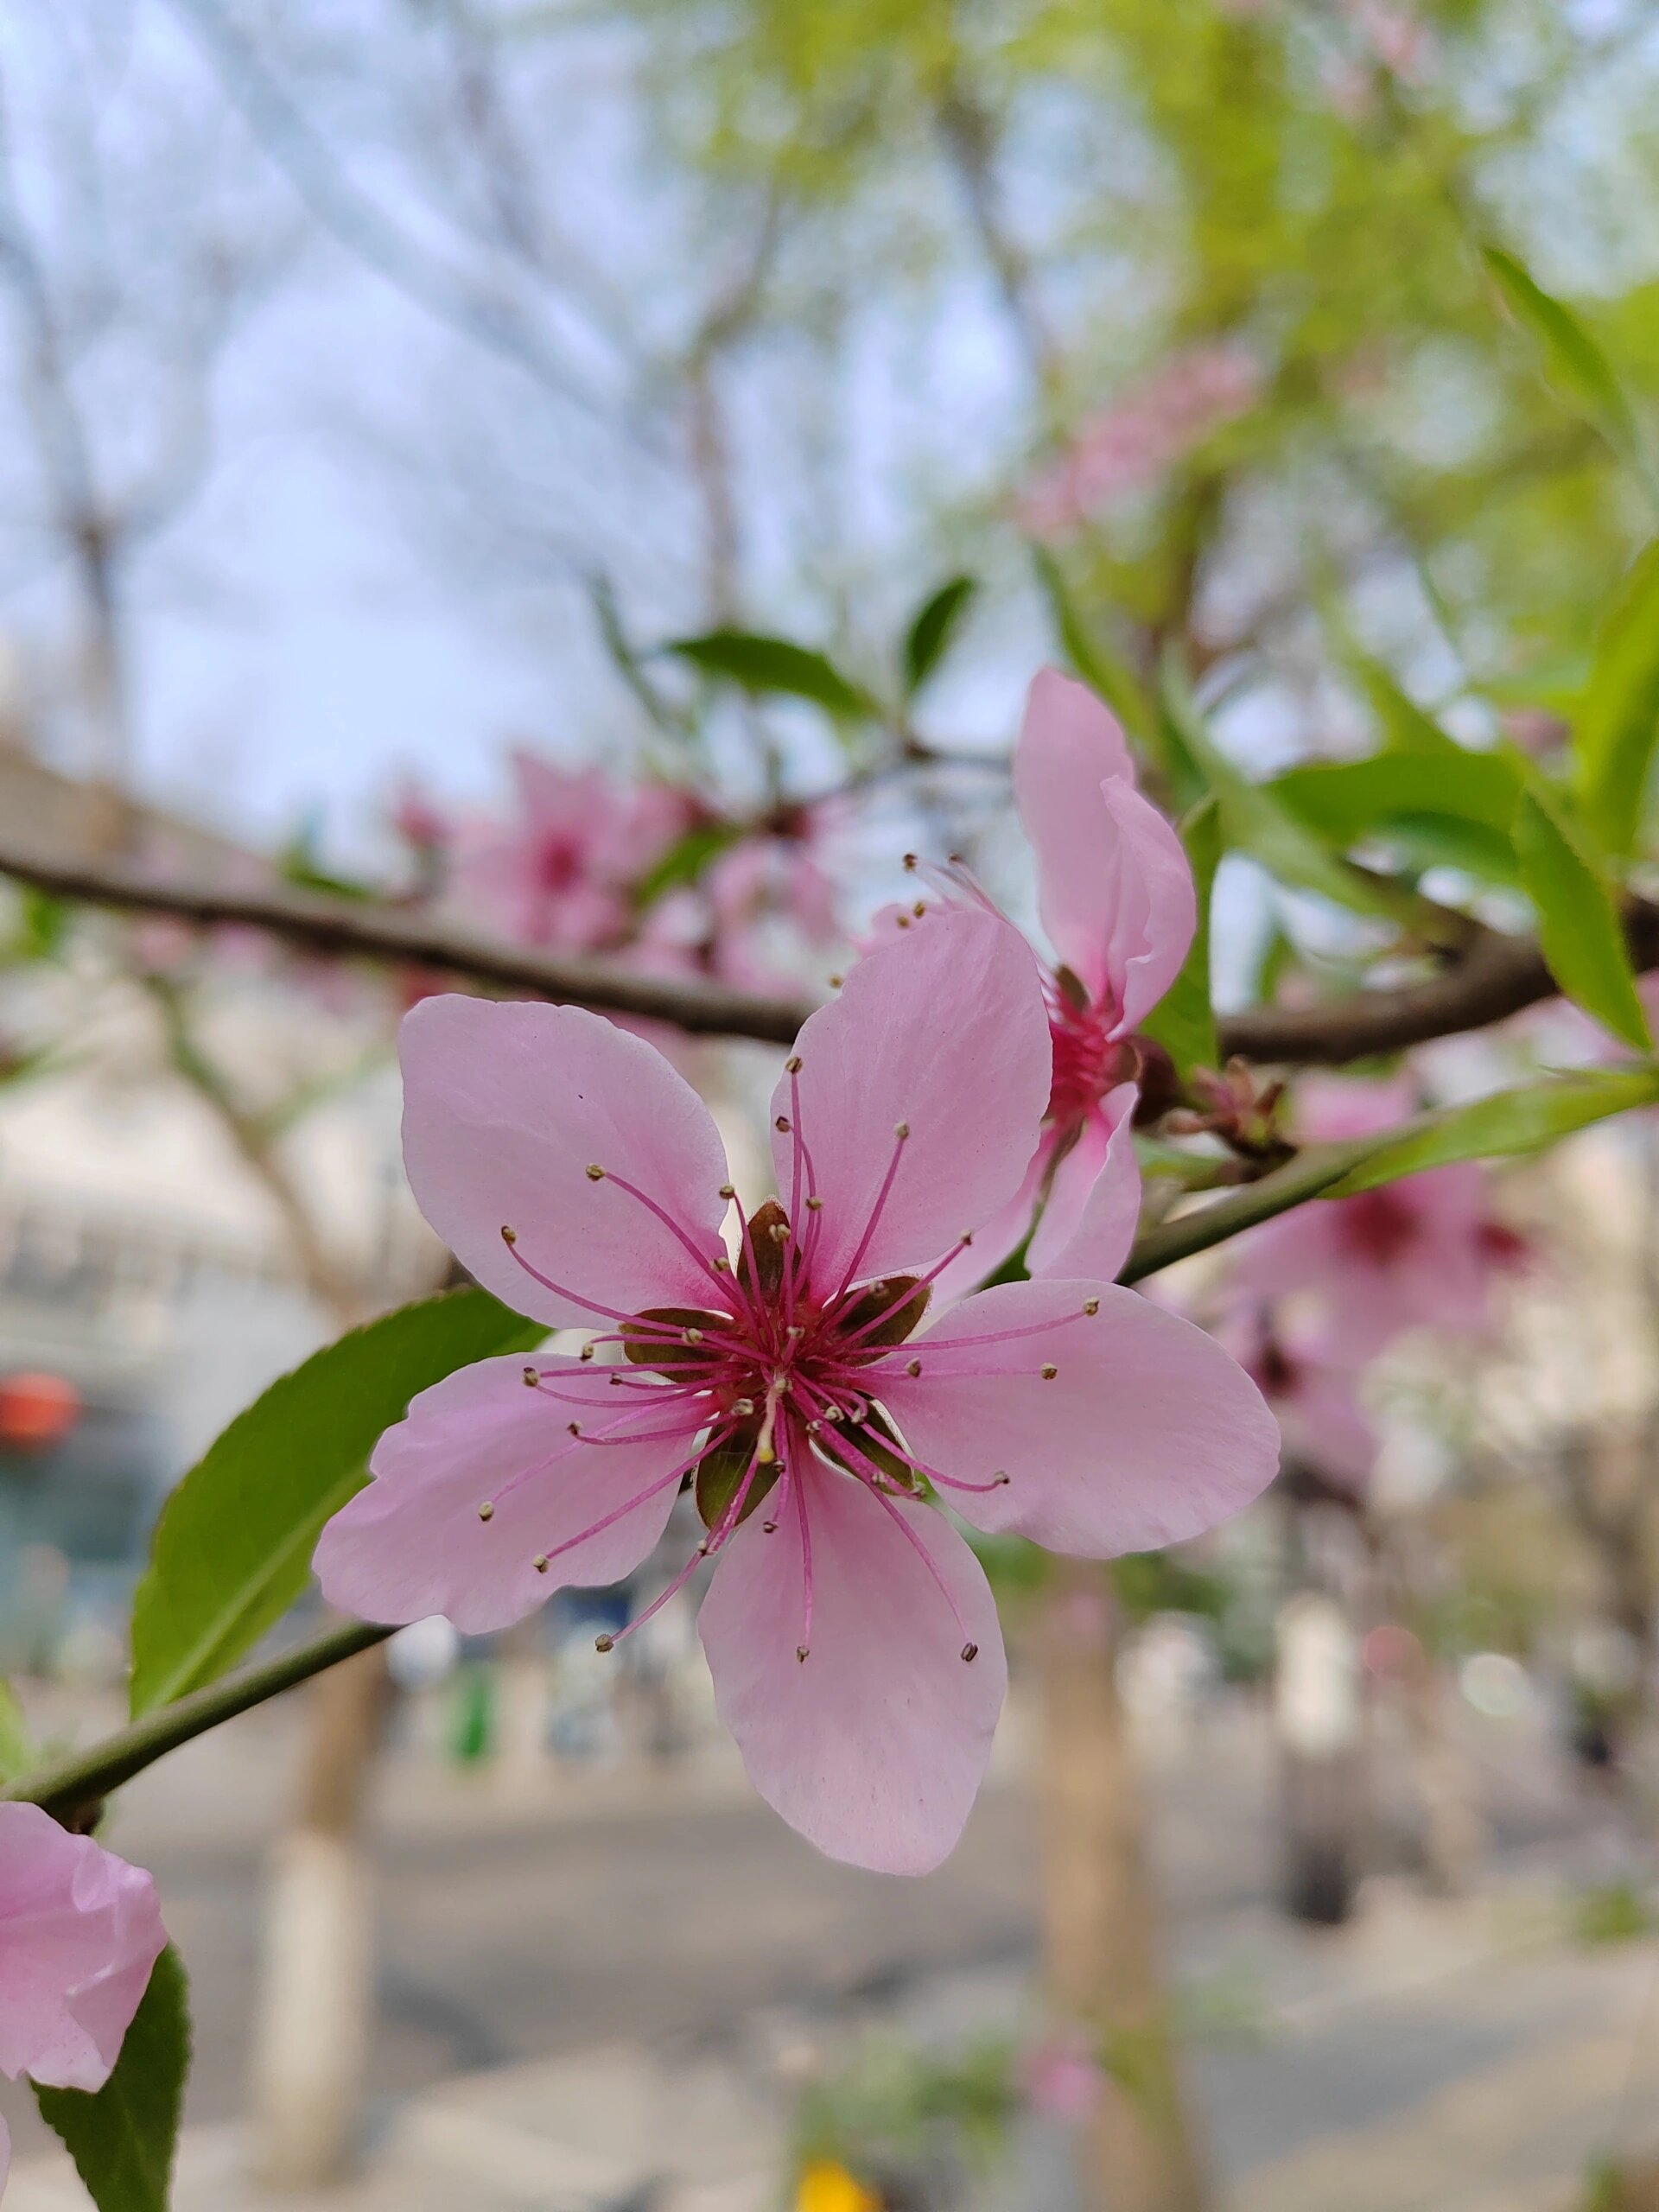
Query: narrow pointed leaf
{"type": "Point", "coordinates": [123, 2138]}
{"type": "Point", "coordinates": [1518, 1120]}
{"type": "Point", "coordinates": [763, 664]}
{"type": "Point", "coordinates": [1574, 364]}
{"type": "Point", "coordinates": [1405, 726]}
{"type": "Point", "coordinates": [232, 1549]}
{"type": "Point", "coordinates": [1578, 921]}
{"type": "Point", "coordinates": [933, 631]}
{"type": "Point", "coordinates": [1617, 723]}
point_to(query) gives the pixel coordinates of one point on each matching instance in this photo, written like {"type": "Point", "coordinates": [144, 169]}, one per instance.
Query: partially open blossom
{"type": "Point", "coordinates": [1116, 900]}
{"type": "Point", "coordinates": [1420, 1253]}
{"type": "Point", "coordinates": [822, 1411]}
{"type": "Point", "coordinates": [80, 1932]}
{"type": "Point", "coordinates": [1128, 447]}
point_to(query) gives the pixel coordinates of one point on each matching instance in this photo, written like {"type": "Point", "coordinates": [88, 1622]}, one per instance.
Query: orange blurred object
{"type": "Point", "coordinates": [37, 1409]}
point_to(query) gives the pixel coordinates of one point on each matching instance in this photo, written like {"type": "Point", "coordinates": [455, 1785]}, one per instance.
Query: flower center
{"type": "Point", "coordinates": [1377, 1227]}
{"type": "Point", "coordinates": [1089, 1061]}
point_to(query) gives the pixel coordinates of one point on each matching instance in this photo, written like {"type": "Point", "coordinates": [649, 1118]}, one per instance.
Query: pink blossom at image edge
{"type": "Point", "coordinates": [80, 1931]}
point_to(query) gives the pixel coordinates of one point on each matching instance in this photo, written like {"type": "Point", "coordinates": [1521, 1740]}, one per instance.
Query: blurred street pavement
{"type": "Point", "coordinates": [597, 1990]}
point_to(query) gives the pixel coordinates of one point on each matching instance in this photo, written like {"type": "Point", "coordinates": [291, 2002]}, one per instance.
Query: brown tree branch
{"type": "Point", "coordinates": [1494, 977]}
{"type": "Point", "coordinates": [405, 937]}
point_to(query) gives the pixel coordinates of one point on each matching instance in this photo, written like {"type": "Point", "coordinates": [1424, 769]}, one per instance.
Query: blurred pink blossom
{"type": "Point", "coordinates": [1420, 1253]}
{"type": "Point", "coordinates": [766, 881]}
{"type": "Point", "coordinates": [1128, 447]}
{"type": "Point", "coordinates": [563, 872]}
{"type": "Point", "coordinates": [1062, 2076]}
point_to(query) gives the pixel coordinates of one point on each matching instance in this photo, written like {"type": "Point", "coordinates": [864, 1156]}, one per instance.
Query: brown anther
{"type": "Point", "coordinates": [532, 1378]}
{"type": "Point", "coordinates": [1049, 1372]}
{"type": "Point", "coordinates": [722, 1265]}
{"type": "Point", "coordinates": [596, 1172]}
{"type": "Point", "coordinates": [727, 1191]}
{"type": "Point", "coordinates": [587, 1352]}
{"type": "Point", "coordinates": [795, 1329]}
{"type": "Point", "coordinates": [540, 1563]}
{"type": "Point", "coordinates": [815, 1205]}
{"type": "Point", "coordinates": [833, 1413]}
{"type": "Point", "coordinates": [509, 1235]}
{"type": "Point", "coordinates": [1002, 1480]}
{"type": "Point", "coordinates": [901, 1130]}
{"type": "Point", "coordinates": [604, 1643]}
{"type": "Point", "coordinates": [574, 1427]}
{"type": "Point", "coordinates": [815, 1429]}
{"type": "Point", "coordinates": [835, 982]}
{"type": "Point", "coordinates": [782, 1122]}
{"type": "Point", "coordinates": [903, 920]}
{"type": "Point", "coordinates": [920, 908]}
{"type": "Point", "coordinates": [742, 1407]}
{"type": "Point", "coordinates": [768, 1528]}
{"type": "Point", "coordinates": [913, 1368]}
{"type": "Point", "coordinates": [801, 1652]}
{"type": "Point", "coordinates": [1091, 1305]}
{"type": "Point", "coordinates": [691, 1336]}
{"type": "Point", "coordinates": [970, 1651]}
{"type": "Point", "coordinates": [779, 1232]}
{"type": "Point", "coordinates": [909, 861]}
{"type": "Point", "coordinates": [486, 1511]}
{"type": "Point", "coordinates": [792, 1065]}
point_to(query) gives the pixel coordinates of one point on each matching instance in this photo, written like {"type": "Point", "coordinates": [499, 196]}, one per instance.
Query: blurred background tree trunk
{"type": "Point", "coordinates": [1105, 1966]}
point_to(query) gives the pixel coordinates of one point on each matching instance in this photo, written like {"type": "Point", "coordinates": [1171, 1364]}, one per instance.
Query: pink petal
{"type": "Point", "coordinates": [1147, 1433]}
{"type": "Point", "coordinates": [1115, 889]}
{"type": "Point", "coordinates": [944, 1033]}
{"type": "Point", "coordinates": [1002, 1234]}
{"type": "Point", "coordinates": [80, 1932]}
{"type": "Point", "coordinates": [505, 1108]}
{"type": "Point", "coordinates": [1094, 1206]}
{"type": "Point", "coordinates": [874, 1746]}
{"type": "Point", "coordinates": [412, 1543]}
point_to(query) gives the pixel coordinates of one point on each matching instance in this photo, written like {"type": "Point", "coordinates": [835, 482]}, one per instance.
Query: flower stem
{"type": "Point", "coordinates": [76, 1785]}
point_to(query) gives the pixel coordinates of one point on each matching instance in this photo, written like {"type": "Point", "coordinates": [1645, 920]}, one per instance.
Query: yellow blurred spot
{"type": "Point", "coordinates": [828, 2188]}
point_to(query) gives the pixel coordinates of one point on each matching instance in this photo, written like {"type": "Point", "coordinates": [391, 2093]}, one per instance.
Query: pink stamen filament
{"type": "Point", "coordinates": [651, 1489]}
{"type": "Point", "coordinates": [710, 1546]}
{"type": "Point", "coordinates": [917, 1346]}
{"type": "Point", "coordinates": [703, 1259]}
{"type": "Point", "coordinates": [876, 1212]}
{"type": "Point", "coordinates": [917, 1466]}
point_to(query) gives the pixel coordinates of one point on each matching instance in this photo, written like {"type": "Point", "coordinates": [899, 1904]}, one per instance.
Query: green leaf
{"type": "Point", "coordinates": [1184, 1022]}
{"type": "Point", "coordinates": [930, 635]}
{"type": "Point", "coordinates": [17, 1745]}
{"type": "Point", "coordinates": [232, 1549]}
{"type": "Point", "coordinates": [1617, 720]}
{"type": "Point", "coordinates": [1521, 1120]}
{"type": "Point", "coordinates": [1574, 362]}
{"type": "Point", "coordinates": [123, 2137]}
{"type": "Point", "coordinates": [1452, 806]}
{"type": "Point", "coordinates": [1578, 922]}
{"type": "Point", "coordinates": [1254, 819]}
{"type": "Point", "coordinates": [1090, 654]}
{"type": "Point", "coordinates": [1405, 727]}
{"type": "Point", "coordinates": [763, 664]}
{"type": "Point", "coordinates": [686, 859]}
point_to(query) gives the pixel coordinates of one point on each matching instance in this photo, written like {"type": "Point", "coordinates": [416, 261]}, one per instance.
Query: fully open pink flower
{"type": "Point", "coordinates": [1116, 899]}
{"type": "Point", "coordinates": [1420, 1253]}
{"type": "Point", "coordinates": [80, 1932]}
{"type": "Point", "coordinates": [852, 1638]}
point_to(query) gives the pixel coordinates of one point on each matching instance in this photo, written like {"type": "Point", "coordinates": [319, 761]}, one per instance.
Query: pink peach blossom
{"type": "Point", "coordinates": [852, 1637]}
{"type": "Point", "coordinates": [563, 872]}
{"type": "Point", "coordinates": [768, 880]}
{"type": "Point", "coordinates": [80, 1932]}
{"type": "Point", "coordinates": [1314, 1396]}
{"type": "Point", "coordinates": [1117, 903]}
{"type": "Point", "coordinates": [1420, 1253]}
{"type": "Point", "coordinates": [1128, 447]}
